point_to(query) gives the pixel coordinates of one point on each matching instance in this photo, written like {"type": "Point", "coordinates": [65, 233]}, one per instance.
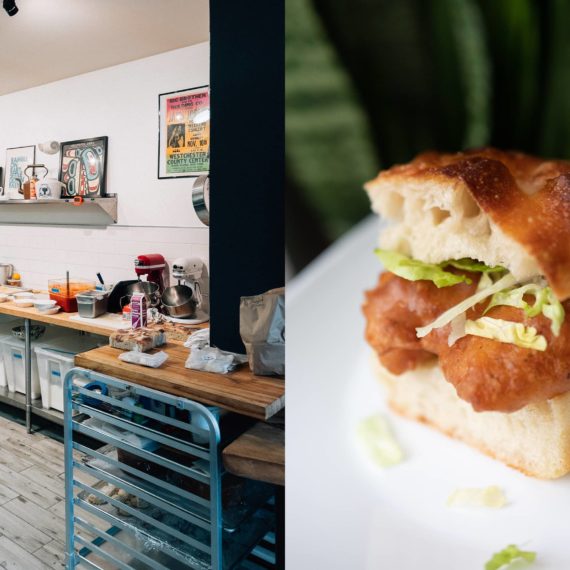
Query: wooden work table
{"type": "Point", "coordinates": [103, 326]}
{"type": "Point", "coordinates": [59, 319]}
{"type": "Point", "coordinates": [259, 397]}
{"type": "Point", "coordinates": [258, 454]}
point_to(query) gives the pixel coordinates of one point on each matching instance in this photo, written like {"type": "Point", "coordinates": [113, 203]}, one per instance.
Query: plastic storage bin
{"type": "Point", "coordinates": [54, 361]}
{"type": "Point", "coordinates": [13, 351]}
{"type": "Point", "coordinates": [6, 324]}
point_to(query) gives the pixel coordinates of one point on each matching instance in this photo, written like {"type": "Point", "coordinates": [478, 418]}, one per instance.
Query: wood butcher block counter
{"type": "Point", "coordinates": [258, 454]}
{"type": "Point", "coordinates": [259, 397]}
{"type": "Point", "coordinates": [174, 332]}
{"type": "Point", "coordinates": [59, 319]}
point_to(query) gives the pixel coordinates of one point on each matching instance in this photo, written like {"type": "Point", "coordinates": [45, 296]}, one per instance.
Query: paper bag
{"type": "Point", "coordinates": [262, 330]}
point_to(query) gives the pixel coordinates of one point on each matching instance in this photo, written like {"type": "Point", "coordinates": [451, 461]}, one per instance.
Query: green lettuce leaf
{"type": "Point", "coordinates": [379, 442]}
{"type": "Point", "coordinates": [544, 302]}
{"type": "Point", "coordinates": [508, 555]}
{"type": "Point", "coordinates": [414, 270]}
{"type": "Point", "coordinates": [490, 497]}
{"type": "Point", "coordinates": [468, 264]}
{"type": "Point", "coordinates": [506, 331]}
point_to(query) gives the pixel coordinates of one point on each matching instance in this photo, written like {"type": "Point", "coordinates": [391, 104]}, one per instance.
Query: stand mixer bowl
{"type": "Point", "coordinates": [151, 291]}
{"type": "Point", "coordinates": [179, 301]}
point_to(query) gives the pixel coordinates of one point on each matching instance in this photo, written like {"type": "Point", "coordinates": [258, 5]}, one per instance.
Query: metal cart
{"type": "Point", "coordinates": [155, 494]}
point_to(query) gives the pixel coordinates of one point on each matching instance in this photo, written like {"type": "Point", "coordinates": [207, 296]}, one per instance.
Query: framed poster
{"type": "Point", "coordinates": [17, 159]}
{"type": "Point", "coordinates": [83, 167]}
{"type": "Point", "coordinates": [184, 133]}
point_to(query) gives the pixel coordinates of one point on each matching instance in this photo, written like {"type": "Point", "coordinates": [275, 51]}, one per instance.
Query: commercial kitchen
{"type": "Point", "coordinates": [142, 344]}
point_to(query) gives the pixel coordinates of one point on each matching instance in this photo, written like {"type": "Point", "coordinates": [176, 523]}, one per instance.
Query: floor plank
{"type": "Point", "coordinates": [43, 519]}
{"type": "Point", "coordinates": [14, 557]}
{"type": "Point", "coordinates": [32, 506]}
{"type": "Point", "coordinates": [52, 554]}
{"type": "Point", "coordinates": [39, 455]}
{"type": "Point", "coordinates": [32, 491]}
{"type": "Point", "coordinates": [49, 480]}
{"type": "Point", "coordinates": [21, 532]}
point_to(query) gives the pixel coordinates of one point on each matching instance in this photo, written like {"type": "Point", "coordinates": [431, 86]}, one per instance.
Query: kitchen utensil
{"type": "Point", "coordinates": [151, 291]}
{"type": "Point", "coordinates": [49, 310]}
{"type": "Point", "coordinates": [6, 270]}
{"type": "Point", "coordinates": [153, 265]}
{"type": "Point", "coordinates": [33, 178]}
{"type": "Point", "coordinates": [49, 189]}
{"type": "Point", "coordinates": [201, 199]}
{"type": "Point", "coordinates": [91, 304]}
{"type": "Point", "coordinates": [44, 303]}
{"type": "Point", "coordinates": [119, 291]}
{"type": "Point", "coordinates": [100, 279]}
{"type": "Point", "coordinates": [193, 273]}
{"type": "Point", "coordinates": [179, 301]}
{"type": "Point", "coordinates": [36, 331]}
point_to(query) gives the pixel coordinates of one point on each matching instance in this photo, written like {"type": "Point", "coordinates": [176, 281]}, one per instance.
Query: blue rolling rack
{"type": "Point", "coordinates": [155, 495]}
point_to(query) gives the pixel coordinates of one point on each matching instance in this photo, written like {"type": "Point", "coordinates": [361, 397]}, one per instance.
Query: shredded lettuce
{"type": "Point", "coordinates": [414, 270]}
{"type": "Point", "coordinates": [491, 497]}
{"type": "Point", "coordinates": [484, 282]}
{"type": "Point", "coordinates": [545, 302]}
{"type": "Point", "coordinates": [503, 283]}
{"type": "Point", "coordinates": [457, 329]}
{"type": "Point", "coordinates": [468, 264]}
{"type": "Point", "coordinates": [508, 555]}
{"type": "Point", "coordinates": [506, 331]}
{"type": "Point", "coordinates": [376, 435]}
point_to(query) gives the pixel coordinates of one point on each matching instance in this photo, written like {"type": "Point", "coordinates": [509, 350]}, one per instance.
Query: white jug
{"type": "Point", "coordinates": [49, 189]}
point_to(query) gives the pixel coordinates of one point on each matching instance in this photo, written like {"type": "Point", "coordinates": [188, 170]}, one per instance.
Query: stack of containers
{"type": "Point", "coordinates": [13, 350]}
{"type": "Point", "coordinates": [55, 359]}
{"type": "Point", "coordinates": [6, 325]}
{"type": "Point", "coordinates": [52, 356]}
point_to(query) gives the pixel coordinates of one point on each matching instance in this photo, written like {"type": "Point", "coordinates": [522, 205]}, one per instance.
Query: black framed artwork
{"type": "Point", "coordinates": [83, 167]}
{"type": "Point", "coordinates": [184, 133]}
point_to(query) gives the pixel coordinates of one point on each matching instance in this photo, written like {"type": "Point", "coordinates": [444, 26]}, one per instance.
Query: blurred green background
{"type": "Point", "coordinates": [370, 83]}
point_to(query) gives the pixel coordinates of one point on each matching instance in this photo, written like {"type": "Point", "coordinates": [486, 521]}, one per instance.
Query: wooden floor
{"type": "Point", "coordinates": [32, 527]}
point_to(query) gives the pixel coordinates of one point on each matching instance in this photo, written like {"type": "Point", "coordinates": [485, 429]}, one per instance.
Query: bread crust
{"type": "Point", "coordinates": [526, 197]}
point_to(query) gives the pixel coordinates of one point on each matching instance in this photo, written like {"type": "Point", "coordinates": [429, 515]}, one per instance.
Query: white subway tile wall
{"type": "Point", "coordinates": [40, 253]}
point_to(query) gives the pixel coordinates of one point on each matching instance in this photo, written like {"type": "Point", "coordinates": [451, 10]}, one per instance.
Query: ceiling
{"type": "Point", "coordinates": [49, 40]}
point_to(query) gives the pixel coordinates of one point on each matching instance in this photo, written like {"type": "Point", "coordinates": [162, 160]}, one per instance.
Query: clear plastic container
{"type": "Point", "coordinates": [54, 360]}
{"type": "Point", "coordinates": [65, 293]}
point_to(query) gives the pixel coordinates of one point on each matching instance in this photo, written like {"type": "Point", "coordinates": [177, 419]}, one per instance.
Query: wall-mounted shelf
{"type": "Point", "coordinates": [93, 211]}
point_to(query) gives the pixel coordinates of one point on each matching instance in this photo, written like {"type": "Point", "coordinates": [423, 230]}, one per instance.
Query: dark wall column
{"type": "Point", "coordinates": [247, 158]}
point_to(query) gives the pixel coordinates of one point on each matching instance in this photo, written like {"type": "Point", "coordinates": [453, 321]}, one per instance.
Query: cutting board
{"type": "Point", "coordinates": [113, 321]}
{"type": "Point", "coordinates": [241, 391]}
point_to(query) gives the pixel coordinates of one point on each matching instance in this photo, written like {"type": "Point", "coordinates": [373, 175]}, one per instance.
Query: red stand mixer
{"type": "Point", "coordinates": [153, 265]}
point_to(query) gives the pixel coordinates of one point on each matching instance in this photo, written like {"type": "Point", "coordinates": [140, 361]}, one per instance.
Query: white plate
{"type": "Point", "coordinates": [345, 513]}
{"type": "Point", "coordinates": [24, 302]}
{"type": "Point", "coordinates": [52, 310]}
{"type": "Point", "coordinates": [24, 295]}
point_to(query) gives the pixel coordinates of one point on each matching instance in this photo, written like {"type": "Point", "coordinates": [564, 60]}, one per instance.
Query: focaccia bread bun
{"type": "Point", "coordinates": [534, 440]}
{"type": "Point", "coordinates": [502, 208]}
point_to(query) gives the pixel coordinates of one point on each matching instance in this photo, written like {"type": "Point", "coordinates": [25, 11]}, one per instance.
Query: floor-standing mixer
{"type": "Point", "coordinates": [189, 301]}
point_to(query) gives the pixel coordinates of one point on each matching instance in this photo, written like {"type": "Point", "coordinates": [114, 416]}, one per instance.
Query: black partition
{"type": "Point", "coordinates": [247, 158]}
